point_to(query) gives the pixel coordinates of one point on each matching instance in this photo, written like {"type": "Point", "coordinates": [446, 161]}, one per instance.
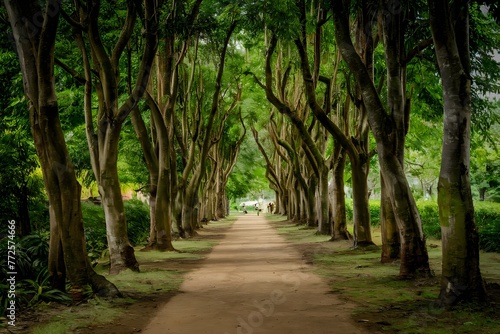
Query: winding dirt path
{"type": "Point", "coordinates": [253, 282]}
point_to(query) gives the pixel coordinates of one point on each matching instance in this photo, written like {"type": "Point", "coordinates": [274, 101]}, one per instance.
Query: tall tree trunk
{"type": "Point", "coordinates": [414, 258]}
{"type": "Point", "coordinates": [35, 49]}
{"type": "Point", "coordinates": [338, 197]}
{"type": "Point", "coordinates": [461, 277]}
{"type": "Point", "coordinates": [104, 147]}
{"type": "Point", "coordinates": [153, 169]}
{"type": "Point", "coordinates": [309, 196]}
{"type": "Point", "coordinates": [391, 247]}
{"type": "Point", "coordinates": [121, 252]}
{"type": "Point", "coordinates": [190, 208]}
{"type": "Point", "coordinates": [324, 220]}
{"type": "Point", "coordinates": [361, 208]}
{"type": "Point", "coordinates": [356, 152]}
{"type": "Point", "coordinates": [23, 227]}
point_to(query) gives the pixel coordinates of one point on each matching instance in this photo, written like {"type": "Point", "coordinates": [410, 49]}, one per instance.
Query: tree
{"type": "Point", "coordinates": [386, 128]}
{"type": "Point", "coordinates": [223, 156]}
{"type": "Point", "coordinates": [34, 33]}
{"type": "Point", "coordinates": [103, 143]}
{"type": "Point", "coordinates": [162, 98]}
{"type": "Point", "coordinates": [206, 126]}
{"type": "Point", "coordinates": [461, 277]}
{"type": "Point", "coordinates": [356, 147]}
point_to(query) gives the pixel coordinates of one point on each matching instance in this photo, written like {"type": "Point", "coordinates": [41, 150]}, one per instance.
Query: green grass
{"type": "Point", "coordinates": [96, 311]}
{"type": "Point", "coordinates": [403, 306]}
{"type": "Point", "coordinates": [148, 281]}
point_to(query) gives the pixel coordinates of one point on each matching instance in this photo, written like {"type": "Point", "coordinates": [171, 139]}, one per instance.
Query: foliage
{"type": "Point", "coordinates": [485, 167]}
{"type": "Point", "coordinates": [374, 206]}
{"type": "Point", "coordinates": [487, 221]}
{"type": "Point", "coordinates": [33, 291]}
{"type": "Point", "coordinates": [248, 176]}
{"type": "Point", "coordinates": [32, 278]}
{"type": "Point", "coordinates": [130, 160]}
{"type": "Point", "coordinates": [138, 221]}
{"type": "Point", "coordinates": [429, 214]}
{"type": "Point", "coordinates": [484, 41]}
{"type": "Point", "coordinates": [21, 185]}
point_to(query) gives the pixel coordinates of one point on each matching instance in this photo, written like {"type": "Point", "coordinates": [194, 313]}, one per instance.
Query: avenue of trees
{"type": "Point", "coordinates": [195, 102]}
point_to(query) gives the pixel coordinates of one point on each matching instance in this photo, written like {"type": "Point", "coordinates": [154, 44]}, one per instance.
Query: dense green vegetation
{"type": "Point", "coordinates": [487, 220]}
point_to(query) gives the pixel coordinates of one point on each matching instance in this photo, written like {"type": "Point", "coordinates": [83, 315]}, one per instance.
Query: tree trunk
{"type": "Point", "coordinates": [482, 194]}
{"type": "Point", "coordinates": [338, 199]}
{"type": "Point", "coordinates": [67, 254]}
{"type": "Point", "coordinates": [309, 196]}
{"type": "Point", "coordinates": [153, 169]}
{"type": "Point", "coordinates": [324, 221]}
{"type": "Point", "coordinates": [190, 212]}
{"type": "Point", "coordinates": [461, 277]}
{"type": "Point", "coordinates": [121, 252]}
{"type": "Point", "coordinates": [361, 208]}
{"type": "Point", "coordinates": [391, 248]}
{"type": "Point", "coordinates": [414, 258]}
{"type": "Point", "coordinates": [110, 117]}
{"type": "Point", "coordinates": [152, 213]}
{"type": "Point", "coordinates": [23, 226]}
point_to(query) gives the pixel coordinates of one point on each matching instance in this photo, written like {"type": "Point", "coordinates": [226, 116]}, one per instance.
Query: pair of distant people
{"type": "Point", "coordinates": [256, 208]}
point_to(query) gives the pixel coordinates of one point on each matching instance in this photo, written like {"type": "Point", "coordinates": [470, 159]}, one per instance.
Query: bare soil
{"type": "Point", "coordinates": [253, 281]}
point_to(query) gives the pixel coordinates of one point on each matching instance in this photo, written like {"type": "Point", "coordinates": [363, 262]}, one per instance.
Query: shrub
{"type": "Point", "coordinates": [138, 221]}
{"type": "Point", "coordinates": [374, 207]}
{"type": "Point", "coordinates": [32, 278]}
{"type": "Point", "coordinates": [488, 224]}
{"type": "Point", "coordinates": [94, 225]}
{"type": "Point", "coordinates": [487, 220]}
{"type": "Point", "coordinates": [429, 214]}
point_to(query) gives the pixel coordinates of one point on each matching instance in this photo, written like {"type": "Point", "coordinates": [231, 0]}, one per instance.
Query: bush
{"type": "Point", "coordinates": [488, 224]}
{"type": "Point", "coordinates": [94, 225]}
{"type": "Point", "coordinates": [138, 221]}
{"type": "Point", "coordinates": [374, 207]}
{"type": "Point", "coordinates": [487, 220]}
{"type": "Point", "coordinates": [32, 278]}
{"type": "Point", "coordinates": [429, 214]}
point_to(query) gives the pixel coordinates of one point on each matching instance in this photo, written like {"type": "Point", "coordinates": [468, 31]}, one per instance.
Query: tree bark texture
{"type": "Point", "coordinates": [461, 277]}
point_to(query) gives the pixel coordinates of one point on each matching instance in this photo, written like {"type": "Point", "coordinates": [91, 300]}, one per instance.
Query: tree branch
{"type": "Point", "coordinates": [417, 49]}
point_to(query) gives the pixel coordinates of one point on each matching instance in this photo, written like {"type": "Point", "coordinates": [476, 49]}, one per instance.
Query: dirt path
{"type": "Point", "coordinates": [253, 282]}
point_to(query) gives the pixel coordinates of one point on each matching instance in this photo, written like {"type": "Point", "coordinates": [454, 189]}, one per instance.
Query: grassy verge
{"type": "Point", "coordinates": [386, 303]}
{"type": "Point", "coordinates": [161, 274]}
